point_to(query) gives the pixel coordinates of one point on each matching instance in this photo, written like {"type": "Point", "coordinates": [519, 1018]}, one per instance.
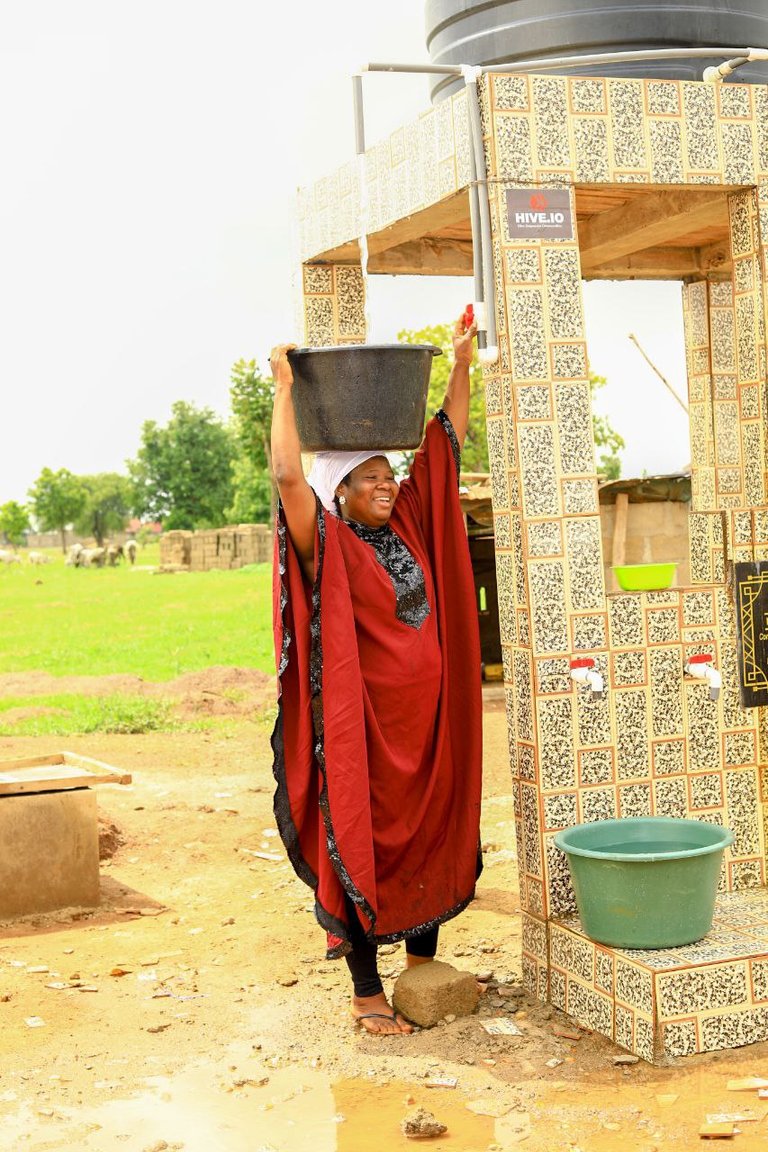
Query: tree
{"type": "Point", "coordinates": [474, 455]}
{"type": "Point", "coordinates": [252, 398]}
{"type": "Point", "coordinates": [108, 501]}
{"type": "Point", "coordinates": [182, 473]}
{"type": "Point", "coordinates": [14, 522]}
{"type": "Point", "coordinates": [605, 437]}
{"type": "Point", "coordinates": [57, 501]}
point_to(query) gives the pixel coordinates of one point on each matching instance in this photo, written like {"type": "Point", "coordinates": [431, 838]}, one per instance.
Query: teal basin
{"type": "Point", "coordinates": [646, 881]}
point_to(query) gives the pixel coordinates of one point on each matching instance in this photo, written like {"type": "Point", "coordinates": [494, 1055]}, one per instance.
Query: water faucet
{"type": "Point", "coordinates": [583, 671]}
{"type": "Point", "coordinates": [702, 667]}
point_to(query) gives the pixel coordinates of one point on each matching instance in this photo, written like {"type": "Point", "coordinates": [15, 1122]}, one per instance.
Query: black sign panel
{"type": "Point", "coordinates": [752, 631]}
{"type": "Point", "coordinates": [539, 214]}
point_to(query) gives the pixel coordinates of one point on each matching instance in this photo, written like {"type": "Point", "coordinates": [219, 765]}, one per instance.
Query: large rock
{"type": "Point", "coordinates": [429, 992]}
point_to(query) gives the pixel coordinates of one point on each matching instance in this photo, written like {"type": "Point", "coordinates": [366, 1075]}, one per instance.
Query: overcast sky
{"type": "Point", "coordinates": [150, 156]}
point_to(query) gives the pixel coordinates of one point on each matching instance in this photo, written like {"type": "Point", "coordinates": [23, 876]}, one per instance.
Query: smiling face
{"type": "Point", "coordinates": [370, 491]}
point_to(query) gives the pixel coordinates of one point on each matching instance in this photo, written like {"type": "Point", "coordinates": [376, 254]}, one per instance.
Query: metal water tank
{"type": "Point", "coordinates": [491, 32]}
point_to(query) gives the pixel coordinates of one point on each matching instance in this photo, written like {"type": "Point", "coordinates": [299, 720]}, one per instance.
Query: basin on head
{"type": "Point", "coordinates": [361, 396]}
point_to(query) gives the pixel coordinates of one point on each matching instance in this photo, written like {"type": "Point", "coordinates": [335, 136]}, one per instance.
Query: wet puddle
{"type": "Point", "coordinates": [230, 1108]}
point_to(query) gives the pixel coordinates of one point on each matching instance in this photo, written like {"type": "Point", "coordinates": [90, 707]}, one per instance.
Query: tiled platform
{"type": "Point", "coordinates": [675, 1001]}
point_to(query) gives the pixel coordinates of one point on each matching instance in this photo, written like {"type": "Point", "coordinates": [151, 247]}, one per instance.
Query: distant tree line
{"type": "Point", "coordinates": [196, 471]}
{"type": "Point", "coordinates": [199, 471]}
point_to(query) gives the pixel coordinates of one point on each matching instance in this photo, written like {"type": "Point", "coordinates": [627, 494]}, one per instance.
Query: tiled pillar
{"type": "Point", "coordinates": [334, 304]}
{"type": "Point", "coordinates": [549, 554]}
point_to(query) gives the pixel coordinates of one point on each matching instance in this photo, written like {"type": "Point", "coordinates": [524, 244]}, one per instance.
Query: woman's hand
{"type": "Point", "coordinates": [282, 373]}
{"type": "Point", "coordinates": [463, 336]}
{"type": "Point", "coordinates": [456, 402]}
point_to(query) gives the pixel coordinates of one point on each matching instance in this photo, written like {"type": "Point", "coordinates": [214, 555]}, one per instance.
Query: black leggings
{"type": "Point", "coordinates": [361, 961]}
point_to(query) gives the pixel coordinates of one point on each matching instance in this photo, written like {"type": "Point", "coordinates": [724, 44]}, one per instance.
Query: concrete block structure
{"type": "Point", "coordinates": [227, 548]}
{"type": "Point", "coordinates": [663, 179]}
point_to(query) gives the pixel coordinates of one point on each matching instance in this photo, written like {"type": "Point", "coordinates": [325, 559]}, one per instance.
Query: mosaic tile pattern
{"type": "Point", "coordinates": [334, 305]}
{"type": "Point", "coordinates": [674, 1001]}
{"type": "Point", "coordinates": [654, 742]}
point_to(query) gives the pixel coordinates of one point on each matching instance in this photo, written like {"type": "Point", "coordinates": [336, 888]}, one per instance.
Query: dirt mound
{"type": "Point", "coordinates": [218, 691]}
{"type": "Point", "coordinates": [215, 691]}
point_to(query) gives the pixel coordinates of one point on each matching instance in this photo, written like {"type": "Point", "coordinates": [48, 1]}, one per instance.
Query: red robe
{"type": "Point", "coordinates": [378, 737]}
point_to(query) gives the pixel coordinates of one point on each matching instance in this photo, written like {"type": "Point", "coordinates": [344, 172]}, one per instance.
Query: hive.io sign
{"type": "Point", "coordinates": [539, 214]}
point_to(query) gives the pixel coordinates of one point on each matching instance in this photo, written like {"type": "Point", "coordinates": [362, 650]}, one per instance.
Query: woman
{"type": "Point", "coordinates": [378, 738]}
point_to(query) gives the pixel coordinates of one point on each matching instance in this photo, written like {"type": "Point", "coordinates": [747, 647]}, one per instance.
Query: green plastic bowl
{"type": "Point", "coordinates": [646, 881]}
{"type": "Point", "coordinates": [644, 577]}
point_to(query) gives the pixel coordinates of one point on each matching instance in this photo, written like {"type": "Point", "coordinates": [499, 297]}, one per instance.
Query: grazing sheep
{"type": "Point", "coordinates": [115, 554]}
{"type": "Point", "coordinates": [73, 555]}
{"type": "Point", "coordinates": [7, 557]}
{"type": "Point", "coordinates": [91, 558]}
{"type": "Point", "coordinates": [38, 558]}
{"type": "Point", "coordinates": [130, 550]}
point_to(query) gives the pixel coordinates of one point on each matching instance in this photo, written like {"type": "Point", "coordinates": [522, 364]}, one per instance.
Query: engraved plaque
{"type": "Point", "coordinates": [752, 631]}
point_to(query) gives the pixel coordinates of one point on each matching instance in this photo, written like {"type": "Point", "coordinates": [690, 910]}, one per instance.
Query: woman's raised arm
{"type": "Point", "coordinates": [297, 497]}
{"type": "Point", "coordinates": [456, 402]}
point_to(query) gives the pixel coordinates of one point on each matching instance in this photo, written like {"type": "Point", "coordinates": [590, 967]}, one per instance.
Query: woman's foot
{"type": "Point", "coordinates": [375, 1015]}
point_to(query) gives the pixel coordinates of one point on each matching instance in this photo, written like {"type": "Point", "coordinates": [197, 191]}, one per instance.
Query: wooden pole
{"type": "Point", "coordinates": [664, 381]}
{"type": "Point", "coordinates": [619, 544]}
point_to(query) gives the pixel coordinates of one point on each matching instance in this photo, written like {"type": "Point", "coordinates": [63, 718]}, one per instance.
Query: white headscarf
{"type": "Point", "coordinates": [331, 467]}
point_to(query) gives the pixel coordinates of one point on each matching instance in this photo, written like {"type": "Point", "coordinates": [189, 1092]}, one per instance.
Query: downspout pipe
{"type": "Point", "coordinates": [482, 245]}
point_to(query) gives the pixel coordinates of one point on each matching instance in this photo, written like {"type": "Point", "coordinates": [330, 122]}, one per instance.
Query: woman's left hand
{"type": "Point", "coordinates": [463, 336]}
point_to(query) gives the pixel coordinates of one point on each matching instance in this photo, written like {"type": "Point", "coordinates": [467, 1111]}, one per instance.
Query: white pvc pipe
{"type": "Point", "coordinates": [488, 348]}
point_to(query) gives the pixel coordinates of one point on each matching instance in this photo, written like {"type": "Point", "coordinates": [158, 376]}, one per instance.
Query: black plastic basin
{"type": "Point", "coordinates": [361, 396]}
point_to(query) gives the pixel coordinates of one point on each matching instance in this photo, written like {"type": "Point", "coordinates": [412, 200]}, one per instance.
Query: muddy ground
{"type": "Point", "coordinates": [194, 1010]}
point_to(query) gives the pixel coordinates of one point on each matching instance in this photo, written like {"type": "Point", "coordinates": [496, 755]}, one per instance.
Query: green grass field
{"type": "Point", "coordinates": [82, 621]}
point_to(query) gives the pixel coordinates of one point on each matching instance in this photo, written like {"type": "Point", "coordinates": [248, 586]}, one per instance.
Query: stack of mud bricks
{"type": "Point", "coordinates": [175, 549]}
{"type": "Point", "coordinates": [654, 743]}
{"type": "Point", "coordinates": [223, 548]}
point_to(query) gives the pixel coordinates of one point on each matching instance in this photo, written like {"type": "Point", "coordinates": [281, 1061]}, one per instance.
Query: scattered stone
{"type": "Point", "coordinates": [565, 1034]}
{"type": "Point", "coordinates": [747, 1084]}
{"type": "Point", "coordinates": [500, 1026]}
{"type": "Point", "coordinates": [288, 980]}
{"type": "Point", "coordinates": [484, 976]}
{"type": "Point", "coordinates": [34, 1022]}
{"type": "Point", "coordinates": [716, 1131]}
{"type": "Point", "coordinates": [428, 993]}
{"type": "Point", "coordinates": [421, 1124]}
{"type": "Point", "coordinates": [555, 1062]}
{"type": "Point", "coordinates": [37, 968]}
{"type": "Point", "coordinates": [624, 1061]}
